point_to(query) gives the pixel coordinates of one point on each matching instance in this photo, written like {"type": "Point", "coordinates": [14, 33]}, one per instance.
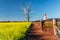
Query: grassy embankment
{"type": "Point", "coordinates": [50, 24]}
{"type": "Point", "coordinates": [13, 30]}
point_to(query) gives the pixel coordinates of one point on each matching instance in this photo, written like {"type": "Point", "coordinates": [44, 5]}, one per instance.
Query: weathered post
{"type": "Point", "coordinates": [41, 24]}
{"type": "Point", "coordinates": [54, 27]}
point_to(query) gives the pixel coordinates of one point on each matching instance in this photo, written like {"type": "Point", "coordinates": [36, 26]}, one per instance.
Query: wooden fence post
{"type": "Point", "coordinates": [54, 26]}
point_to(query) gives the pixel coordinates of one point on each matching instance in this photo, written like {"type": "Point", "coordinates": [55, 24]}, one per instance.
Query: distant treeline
{"type": "Point", "coordinates": [15, 21]}
{"type": "Point", "coordinates": [49, 20]}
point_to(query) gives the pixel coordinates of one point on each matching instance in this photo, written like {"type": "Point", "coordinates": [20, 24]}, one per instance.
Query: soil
{"type": "Point", "coordinates": [37, 32]}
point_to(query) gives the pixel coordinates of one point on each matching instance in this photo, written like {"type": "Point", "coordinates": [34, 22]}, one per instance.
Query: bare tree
{"type": "Point", "coordinates": [26, 12]}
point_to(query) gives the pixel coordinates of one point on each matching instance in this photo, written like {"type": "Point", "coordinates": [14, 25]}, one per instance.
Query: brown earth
{"type": "Point", "coordinates": [37, 32]}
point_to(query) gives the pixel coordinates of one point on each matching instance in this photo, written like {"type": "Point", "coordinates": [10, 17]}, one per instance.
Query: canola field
{"type": "Point", "coordinates": [13, 30]}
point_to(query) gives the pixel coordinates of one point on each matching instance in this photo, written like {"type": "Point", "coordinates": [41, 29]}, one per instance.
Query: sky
{"type": "Point", "coordinates": [12, 9]}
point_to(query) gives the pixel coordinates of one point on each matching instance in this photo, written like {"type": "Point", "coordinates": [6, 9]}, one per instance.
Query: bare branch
{"type": "Point", "coordinates": [24, 10]}
{"type": "Point", "coordinates": [28, 7]}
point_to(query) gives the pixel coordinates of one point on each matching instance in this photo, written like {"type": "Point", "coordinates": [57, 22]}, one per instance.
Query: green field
{"type": "Point", "coordinates": [13, 30]}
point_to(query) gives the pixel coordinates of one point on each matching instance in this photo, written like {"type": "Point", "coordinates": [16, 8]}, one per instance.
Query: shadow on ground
{"type": "Point", "coordinates": [25, 37]}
